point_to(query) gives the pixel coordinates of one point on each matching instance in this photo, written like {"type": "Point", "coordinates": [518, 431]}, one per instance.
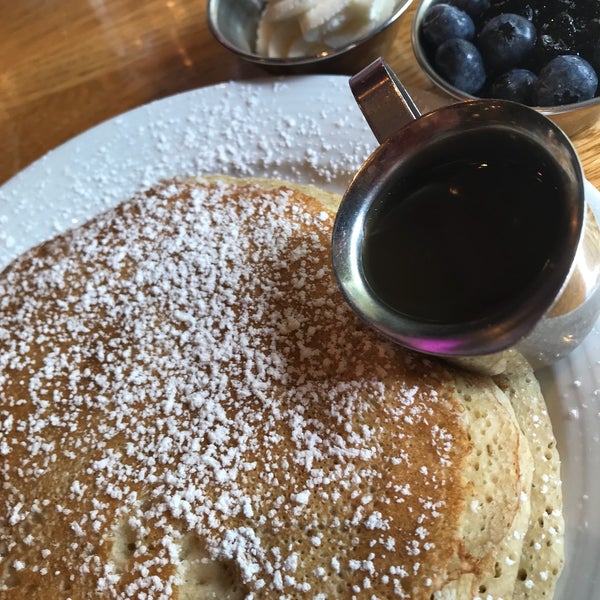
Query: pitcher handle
{"type": "Point", "coordinates": [383, 100]}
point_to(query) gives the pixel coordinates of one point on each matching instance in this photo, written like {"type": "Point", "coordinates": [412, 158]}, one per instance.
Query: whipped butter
{"type": "Point", "coordinates": [295, 28]}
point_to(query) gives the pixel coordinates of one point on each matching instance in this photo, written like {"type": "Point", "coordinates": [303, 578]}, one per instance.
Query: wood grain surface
{"type": "Point", "coordinates": [66, 65]}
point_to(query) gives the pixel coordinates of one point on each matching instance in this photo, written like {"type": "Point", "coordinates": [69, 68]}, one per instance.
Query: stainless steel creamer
{"type": "Point", "coordinates": [546, 309]}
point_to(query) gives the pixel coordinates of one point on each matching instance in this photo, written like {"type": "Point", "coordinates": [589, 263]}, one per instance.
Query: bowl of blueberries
{"type": "Point", "coordinates": [542, 53]}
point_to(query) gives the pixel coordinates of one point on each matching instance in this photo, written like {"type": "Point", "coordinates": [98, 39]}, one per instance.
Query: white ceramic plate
{"type": "Point", "coordinates": [305, 129]}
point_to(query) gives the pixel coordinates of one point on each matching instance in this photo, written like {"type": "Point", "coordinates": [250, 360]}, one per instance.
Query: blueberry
{"type": "Point", "coordinates": [528, 9]}
{"type": "Point", "coordinates": [516, 85]}
{"type": "Point", "coordinates": [505, 40]}
{"type": "Point", "coordinates": [473, 8]}
{"type": "Point", "coordinates": [564, 80]}
{"type": "Point", "coordinates": [459, 63]}
{"type": "Point", "coordinates": [442, 22]}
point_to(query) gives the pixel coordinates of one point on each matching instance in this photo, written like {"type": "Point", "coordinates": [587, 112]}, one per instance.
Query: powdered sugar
{"type": "Point", "coordinates": [201, 391]}
{"type": "Point", "coordinates": [303, 129]}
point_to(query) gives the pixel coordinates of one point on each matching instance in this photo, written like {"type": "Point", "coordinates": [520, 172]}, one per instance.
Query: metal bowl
{"type": "Point", "coordinates": [571, 118]}
{"type": "Point", "coordinates": [234, 24]}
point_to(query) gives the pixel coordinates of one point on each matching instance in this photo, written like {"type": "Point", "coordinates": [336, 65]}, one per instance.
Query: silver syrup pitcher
{"type": "Point", "coordinates": [545, 322]}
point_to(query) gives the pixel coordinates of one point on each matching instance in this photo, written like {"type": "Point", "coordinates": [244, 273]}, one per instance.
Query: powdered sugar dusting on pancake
{"type": "Point", "coordinates": [307, 130]}
{"type": "Point", "coordinates": [193, 363]}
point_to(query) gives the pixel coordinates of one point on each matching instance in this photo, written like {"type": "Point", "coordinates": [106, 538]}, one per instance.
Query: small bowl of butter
{"type": "Point", "coordinates": [306, 36]}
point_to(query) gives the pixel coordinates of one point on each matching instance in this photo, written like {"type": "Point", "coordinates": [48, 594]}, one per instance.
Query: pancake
{"type": "Point", "coordinates": [542, 558]}
{"type": "Point", "coordinates": [499, 580]}
{"type": "Point", "coordinates": [190, 410]}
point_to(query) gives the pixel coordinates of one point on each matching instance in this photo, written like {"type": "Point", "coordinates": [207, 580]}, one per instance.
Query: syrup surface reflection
{"type": "Point", "coordinates": [459, 240]}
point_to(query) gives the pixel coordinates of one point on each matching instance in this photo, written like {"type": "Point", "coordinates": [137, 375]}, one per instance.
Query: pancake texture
{"type": "Point", "coordinates": [542, 557]}
{"type": "Point", "coordinates": [189, 409]}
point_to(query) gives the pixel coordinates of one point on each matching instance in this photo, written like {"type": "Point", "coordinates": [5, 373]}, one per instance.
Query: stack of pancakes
{"type": "Point", "coordinates": [188, 409]}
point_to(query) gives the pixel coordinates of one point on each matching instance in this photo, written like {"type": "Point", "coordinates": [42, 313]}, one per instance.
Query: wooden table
{"type": "Point", "coordinates": [66, 65]}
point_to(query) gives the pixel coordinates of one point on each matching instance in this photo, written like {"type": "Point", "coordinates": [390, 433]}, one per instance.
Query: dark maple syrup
{"type": "Point", "coordinates": [465, 228]}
